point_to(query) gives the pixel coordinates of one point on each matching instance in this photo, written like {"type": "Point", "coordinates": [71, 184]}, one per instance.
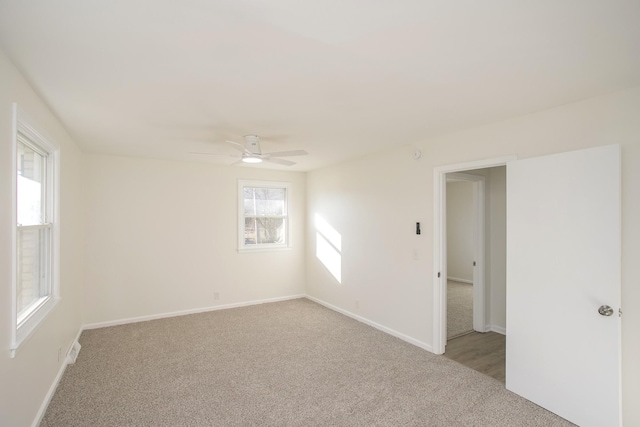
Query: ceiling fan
{"type": "Point", "coordinates": [251, 152]}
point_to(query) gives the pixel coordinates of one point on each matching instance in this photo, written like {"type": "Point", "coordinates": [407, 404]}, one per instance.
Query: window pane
{"type": "Point", "coordinates": [263, 214]}
{"type": "Point", "coordinates": [264, 201]}
{"type": "Point", "coordinates": [33, 255]}
{"type": "Point", "coordinates": [261, 230]}
{"type": "Point", "coordinates": [30, 197]}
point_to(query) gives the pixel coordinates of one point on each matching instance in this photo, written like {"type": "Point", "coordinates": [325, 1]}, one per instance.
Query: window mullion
{"type": "Point", "coordinates": [46, 225]}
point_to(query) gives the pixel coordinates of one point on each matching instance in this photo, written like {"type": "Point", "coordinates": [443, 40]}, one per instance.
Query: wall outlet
{"type": "Point", "coordinates": [216, 295]}
{"type": "Point", "coordinates": [357, 303]}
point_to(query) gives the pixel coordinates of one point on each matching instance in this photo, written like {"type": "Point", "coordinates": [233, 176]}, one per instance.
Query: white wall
{"type": "Point", "coordinates": [460, 224]}
{"type": "Point", "coordinates": [27, 378]}
{"type": "Point", "coordinates": [162, 237]}
{"type": "Point", "coordinates": [375, 201]}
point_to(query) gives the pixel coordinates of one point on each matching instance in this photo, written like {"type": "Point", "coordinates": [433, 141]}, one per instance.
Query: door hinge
{"type": "Point", "coordinates": [438, 274]}
{"type": "Point", "coordinates": [619, 312]}
{"type": "Point", "coordinates": [474, 263]}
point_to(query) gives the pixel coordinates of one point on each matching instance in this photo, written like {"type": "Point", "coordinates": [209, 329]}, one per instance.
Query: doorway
{"type": "Point", "coordinates": [440, 251]}
{"type": "Point", "coordinates": [465, 245]}
{"type": "Point", "coordinates": [475, 233]}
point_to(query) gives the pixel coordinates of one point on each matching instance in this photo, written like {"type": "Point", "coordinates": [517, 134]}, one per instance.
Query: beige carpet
{"type": "Point", "coordinates": [292, 363]}
{"type": "Point", "coordinates": [459, 308]}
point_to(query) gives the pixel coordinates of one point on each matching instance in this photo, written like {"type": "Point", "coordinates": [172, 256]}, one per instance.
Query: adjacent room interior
{"type": "Point", "coordinates": [250, 191]}
{"type": "Point", "coordinates": [476, 245]}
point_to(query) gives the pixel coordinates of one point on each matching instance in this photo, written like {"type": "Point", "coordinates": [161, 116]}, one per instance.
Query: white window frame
{"type": "Point", "coordinates": [242, 247]}
{"type": "Point", "coordinates": [30, 321]}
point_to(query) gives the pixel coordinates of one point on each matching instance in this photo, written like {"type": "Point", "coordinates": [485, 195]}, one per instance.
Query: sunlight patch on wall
{"type": "Point", "coordinates": [328, 247]}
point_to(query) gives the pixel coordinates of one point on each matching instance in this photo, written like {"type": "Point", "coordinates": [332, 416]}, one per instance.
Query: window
{"type": "Point", "coordinates": [35, 289]}
{"type": "Point", "coordinates": [264, 215]}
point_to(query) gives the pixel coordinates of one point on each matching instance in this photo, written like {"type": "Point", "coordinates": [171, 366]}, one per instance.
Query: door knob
{"type": "Point", "coordinates": [605, 310]}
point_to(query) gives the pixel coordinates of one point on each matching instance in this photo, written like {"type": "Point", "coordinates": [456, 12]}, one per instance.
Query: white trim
{"type": "Point", "coordinates": [54, 385]}
{"type": "Point", "coordinates": [264, 248]}
{"type": "Point", "coordinates": [242, 247]}
{"type": "Point", "coordinates": [47, 399]}
{"type": "Point", "coordinates": [456, 279]}
{"type": "Point", "coordinates": [14, 231]}
{"type": "Point", "coordinates": [478, 164]}
{"type": "Point", "coordinates": [21, 123]}
{"type": "Point", "coordinates": [378, 326]}
{"type": "Point", "coordinates": [497, 329]}
{"type": "Point", "coordinates": [439, 243]}
{"type": "Point", "coordinates": [31, 324]}
{"type": "Point", "coordinates": [185, 312]}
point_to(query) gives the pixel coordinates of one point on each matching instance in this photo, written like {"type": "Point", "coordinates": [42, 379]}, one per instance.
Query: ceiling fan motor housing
{"type": "Point", "coordinates": [252, 143]}
{"type": "Point", "coordinates": [251, 152]}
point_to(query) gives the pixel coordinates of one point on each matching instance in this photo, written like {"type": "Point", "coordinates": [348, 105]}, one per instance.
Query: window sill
{"type": "Point", "coordinates": [32, 322]}
{"type": "Point", "coordinates": [263, 249]}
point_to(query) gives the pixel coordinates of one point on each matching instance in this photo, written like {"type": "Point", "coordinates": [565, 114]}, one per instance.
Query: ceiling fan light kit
{"type": "Point", "coordinates": [251, 159]}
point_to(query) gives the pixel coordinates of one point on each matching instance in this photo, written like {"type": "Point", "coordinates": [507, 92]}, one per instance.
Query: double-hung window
{"type": "Point", "coordinates": [35, 289]}
{"type": "Point", "coordinates": [263, 215]}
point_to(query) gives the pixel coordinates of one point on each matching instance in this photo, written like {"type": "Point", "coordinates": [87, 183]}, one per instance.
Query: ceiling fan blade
{"type": "Point", "coordinates": [239, 147]}
{"type": "Point", "coordinates": [279, 161]}
{"type": "Point", "coordinates": [214, 154]}
{"type": "Point", "coordinates": [287, 153]}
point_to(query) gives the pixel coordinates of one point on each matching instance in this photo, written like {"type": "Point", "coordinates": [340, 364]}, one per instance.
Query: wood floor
{"type": "Point", "coordinates": [482, 352]}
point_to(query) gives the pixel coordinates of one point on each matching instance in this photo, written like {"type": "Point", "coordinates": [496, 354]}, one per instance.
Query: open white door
{"type": "Point", "coordinates": [563, 265]}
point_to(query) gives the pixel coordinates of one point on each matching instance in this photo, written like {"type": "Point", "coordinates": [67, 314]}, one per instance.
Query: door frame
{"type": "Point", "coordinates": [440, 247]}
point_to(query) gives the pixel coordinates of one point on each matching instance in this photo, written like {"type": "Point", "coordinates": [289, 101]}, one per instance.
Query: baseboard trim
{"type": "Point", "coordinates": [371, 323]}
{"type": "Point", "coordinates": [455, 279]}
{"type": "Point", "coordinates": [185, 312]}
{"type": "Point", "coordinates": [497, 329]}
{"type": "Point", "coordinates": [54, 385]}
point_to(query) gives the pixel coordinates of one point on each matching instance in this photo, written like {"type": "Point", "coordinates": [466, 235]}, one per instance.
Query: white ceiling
{"type": "Point", "coordinates": [338, 78]}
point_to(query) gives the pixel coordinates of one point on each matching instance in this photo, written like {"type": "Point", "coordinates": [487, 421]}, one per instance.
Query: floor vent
{"type": "Point", "coordinates": [73, 353]}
